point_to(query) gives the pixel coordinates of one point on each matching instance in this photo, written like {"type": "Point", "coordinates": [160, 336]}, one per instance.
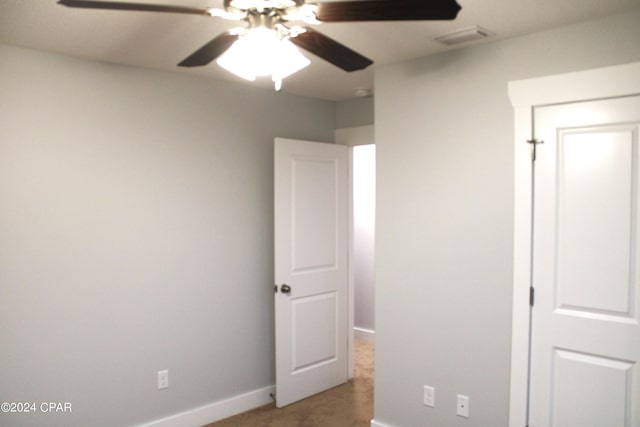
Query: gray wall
{"type": "Point", "coordinates": [136, 235]}
{"type": "Point", "coordinates": [355, 112]}
{"type": "Point", "coordinates": [444, 137]}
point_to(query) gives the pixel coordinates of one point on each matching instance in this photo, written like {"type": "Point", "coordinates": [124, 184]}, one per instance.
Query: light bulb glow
{"type": "Point", "coordinates": [262, 4]}
{"type": "Point", "coordinates": [261, 52]}
{"type": "Point", "coordinates": [306, 13]}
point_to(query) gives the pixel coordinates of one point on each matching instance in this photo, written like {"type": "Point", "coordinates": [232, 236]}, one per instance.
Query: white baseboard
{"type": "Point", "coordinates": [217, 410]}
{"type": "Point", "coordinates": [366, 335]}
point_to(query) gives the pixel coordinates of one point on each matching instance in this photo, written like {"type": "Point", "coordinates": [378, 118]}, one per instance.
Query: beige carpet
{"type": "Point", "coordinates": [348, 405]}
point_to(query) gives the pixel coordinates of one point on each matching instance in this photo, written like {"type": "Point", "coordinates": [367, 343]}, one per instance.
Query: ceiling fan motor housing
{"type": "Point", "coordinates": [260, 5]}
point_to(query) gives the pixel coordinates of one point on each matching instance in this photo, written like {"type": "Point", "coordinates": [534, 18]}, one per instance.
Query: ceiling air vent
{"type": "Point", "coordinates": [464, 35]}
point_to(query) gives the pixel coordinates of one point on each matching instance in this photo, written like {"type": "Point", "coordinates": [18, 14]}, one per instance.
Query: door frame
{"type": "Point", "coordinates": [352, 137]}
{"type": "Point", "coordinates": [526, 96]}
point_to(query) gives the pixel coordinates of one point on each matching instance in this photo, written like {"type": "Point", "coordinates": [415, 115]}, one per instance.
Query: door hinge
{"type": "Point", "coordinates": [534, 143]}
{"type": "Point", "coordinates": [532, 296]}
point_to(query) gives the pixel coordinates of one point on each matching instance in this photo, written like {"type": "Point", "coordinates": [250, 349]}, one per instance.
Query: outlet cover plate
{"type": "Point", "coordinates": [462, 409]}
{"type": "Point", "coordinates": [163, 379]}
{"type": "Point", "coordinates": [429, 396]}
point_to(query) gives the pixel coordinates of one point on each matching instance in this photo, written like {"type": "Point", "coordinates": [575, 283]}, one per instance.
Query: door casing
{"type": "Point", "coordinates": [525, 96]}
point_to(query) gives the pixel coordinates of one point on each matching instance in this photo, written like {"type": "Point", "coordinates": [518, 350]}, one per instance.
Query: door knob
{"type": "Point", "coordinates": [285, 289]}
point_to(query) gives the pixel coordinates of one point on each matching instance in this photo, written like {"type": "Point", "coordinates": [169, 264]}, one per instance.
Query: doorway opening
{"type": "Point", "coordinates": [364, 204]}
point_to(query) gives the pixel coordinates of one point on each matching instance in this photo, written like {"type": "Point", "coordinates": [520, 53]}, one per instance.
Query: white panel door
{"type": "Point", "coordinates": [585, 347]}
{"type": "Point", "coordinates": [311, 256]}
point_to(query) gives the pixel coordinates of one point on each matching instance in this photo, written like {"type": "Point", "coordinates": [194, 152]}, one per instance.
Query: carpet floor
{"type": "Point", "coordinates": [348, 405]}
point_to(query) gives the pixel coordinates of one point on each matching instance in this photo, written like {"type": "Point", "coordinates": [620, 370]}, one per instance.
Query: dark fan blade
{"type": "Point", "coordinates": [133, 6]}
{"type": "Point", "coordinates": [209, 51]}
{"type": "Point", "coordinates": [330, 50]}
{"type": "Point", "coordinates": [387, 10]}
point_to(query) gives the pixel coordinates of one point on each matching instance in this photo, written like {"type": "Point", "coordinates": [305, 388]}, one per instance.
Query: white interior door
{"type": "Point", "coordinates": [585, 347]}
{"type": "Point", "coordinates": [311, 256]}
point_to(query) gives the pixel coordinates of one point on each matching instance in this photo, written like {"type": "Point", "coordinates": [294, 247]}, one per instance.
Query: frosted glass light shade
{"type": "Point", "coordinates": [261, 52]}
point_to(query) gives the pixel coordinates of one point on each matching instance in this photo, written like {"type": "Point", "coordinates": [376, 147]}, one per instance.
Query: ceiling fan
{"type": "Point", "coordinates": [265, 46]}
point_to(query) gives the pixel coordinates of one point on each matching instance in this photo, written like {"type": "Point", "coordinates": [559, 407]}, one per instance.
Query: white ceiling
{"type": "Point", "coordinates": [161, 40]}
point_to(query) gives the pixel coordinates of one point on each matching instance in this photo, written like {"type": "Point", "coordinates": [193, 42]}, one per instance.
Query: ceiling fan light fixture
{"type": "Point", "coordinates": [262, 52]}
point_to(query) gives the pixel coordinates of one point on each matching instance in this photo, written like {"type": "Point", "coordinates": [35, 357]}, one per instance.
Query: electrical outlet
{"type": "Point", "coordinates": [463, 406]}
{"type": "Point", "coordinates": [429, 396]}
{"type": "Point", "coordinates": [163, 379]}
